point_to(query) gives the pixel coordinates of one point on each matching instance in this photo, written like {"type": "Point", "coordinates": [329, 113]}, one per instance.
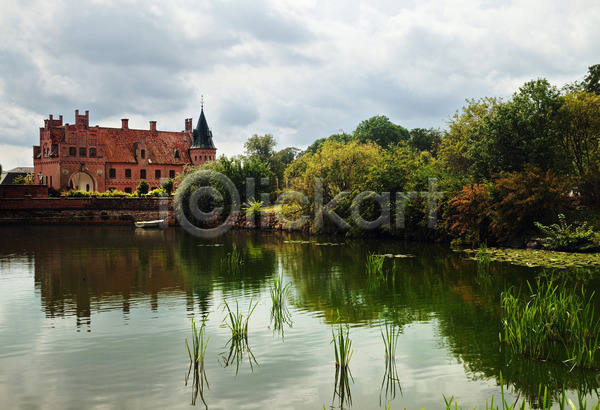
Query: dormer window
{"type": "Point", "coordinates": [176, 153]}
{"type": "Point", "coordinates": [143, 153]}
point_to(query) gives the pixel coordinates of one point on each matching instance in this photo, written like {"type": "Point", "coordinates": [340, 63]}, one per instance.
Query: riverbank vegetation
{"type": "Point", "coordinates": [499, 167]}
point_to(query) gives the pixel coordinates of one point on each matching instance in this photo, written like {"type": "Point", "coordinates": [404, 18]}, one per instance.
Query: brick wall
{"type": "Point", "coordinates": [85, 210]}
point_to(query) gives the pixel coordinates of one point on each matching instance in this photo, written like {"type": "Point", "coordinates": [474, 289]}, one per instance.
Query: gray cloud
{"type": "Point", "coordinates": [300, 71]}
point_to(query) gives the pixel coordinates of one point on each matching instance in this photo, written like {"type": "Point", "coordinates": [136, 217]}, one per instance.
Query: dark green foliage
{"type": "Point", "coordinates": [143, 187]}
{"type": "Point", "coordinates": [566, 237]}
{"type": "Point", "coordinates": [557, 322]}
{"type": "Point", "coordinates": [168, 186]}
{"type": "Point", "coordinates": [380, 130]}
{"type": "Point", "coordinates": [425, 140]}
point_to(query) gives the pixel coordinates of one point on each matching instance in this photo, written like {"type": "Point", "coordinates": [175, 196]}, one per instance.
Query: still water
{"type": "Point", "coordinates": [97, 317]}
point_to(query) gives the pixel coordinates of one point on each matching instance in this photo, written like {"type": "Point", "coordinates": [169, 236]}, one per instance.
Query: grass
{"type": "Point", "coordinates": [544, 402]}
{"type": "Point", "coordinates": [374, 264]}
{"type": "Point", "coordinates": [341, 343]}
{"type": "Point", "coordinates": [233, 260]}
{"type": "Point", "coordinates": [556, 323]}
{"type": "Point", "coordinates": [280, 314]}
{"type": "Point", "coordinates": [391, 382]}
{"type": "Point", "coordinates": [238, 323]}
{"type": "Point", "coordinates": [279, 291]}
{"type": "Point", "coordinates": [198, 350]}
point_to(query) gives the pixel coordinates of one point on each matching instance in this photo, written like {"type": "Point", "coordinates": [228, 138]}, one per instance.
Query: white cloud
{"type": "Point", "coordinates": [299, 71]}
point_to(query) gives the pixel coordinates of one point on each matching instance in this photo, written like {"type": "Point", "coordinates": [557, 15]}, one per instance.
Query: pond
{"type": "Point", "coordinates": [97, 317]}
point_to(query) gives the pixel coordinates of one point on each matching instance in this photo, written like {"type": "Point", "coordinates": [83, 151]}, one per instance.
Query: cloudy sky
{"type": "Point", "coordinates": [298, 70]}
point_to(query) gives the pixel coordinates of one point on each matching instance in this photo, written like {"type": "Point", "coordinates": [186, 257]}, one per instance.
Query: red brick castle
{"type": "Point", "coordinates": [77, 156]}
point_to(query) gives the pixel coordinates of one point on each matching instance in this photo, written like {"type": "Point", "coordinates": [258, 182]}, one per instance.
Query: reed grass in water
{"type": "Point", "coordinates": [341, 343]}
{"type": "Point", "coordinates": [233, 260]}
{"type": "Point", "coordinates": [556, 323]}
{"type": "Point", "coordinates": [374, 264]}
{"type": "Point", "coordinates": [198, 350]}
{"type": "Point", "coordinates": [238, 323]}
{"type": "Point", "coordinates": [279, 291]}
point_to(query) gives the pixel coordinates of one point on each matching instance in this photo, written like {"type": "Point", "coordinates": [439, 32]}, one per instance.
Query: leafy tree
{"type": "Point", "coordinates": [318, 144]}
{"type": "Point", "coordinates": [591, 83]}
{"type": "Point", "coordinates": [521, 198]}
{"type": "Point", "coordinates": [469, 214]}
{"type": "Point", "coordinates": [425, 140]}
{"type": "Point", "coordinates": [261, 147]}
{"type": "Point", "coordinates": [143, 187]}
{"type": "Point", "coordinates": [342, 167]}
{"type": "Point", "coordinates": [465, 129]}
{"type": "Point", "coordinates": [381, 131]}
{"type": "Point", "coordinates": [281, 159]}
{"type": "Point", "coordinates": [519, 132]}
{"type": "Point", "coordinates": [24, 180]}
{"type": "Point", "coordinates": [580, 130]}
{"type": "Point", "coordinates": [168, 186]}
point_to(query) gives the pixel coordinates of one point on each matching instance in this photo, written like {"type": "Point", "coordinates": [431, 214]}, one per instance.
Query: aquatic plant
{"type": "Point", "coordinates": [374, 264]}
{"type": "Point", "coordinates": [544, 402]}
{"type": "Point", "coordinates": [198, 382]}
{"type": "Point", "coordinates": [280, 315]}
{"type": "Point", "coordinates": [566, 237]}
{"type": "Point", "coordinates": [341, 390]}
{"type": "Point", "coordinates": [238, 323]}
{"type": "Point", "coordinates": [233, 260]}
{"type": "Point", "coordinates": [198, 350]}
{"type": "Point", "coordinates": [238, 349]}
{"type": "Point", "coordinates": [390, 334]}
{"type": "Point", "coordinates": [555, 323]}
{"type": "Point", "coordinates": [253, 209]}
{"type": "Point", "coordinates": [279, 291]}
{"type": "Point", "coordinates": [341, 343]}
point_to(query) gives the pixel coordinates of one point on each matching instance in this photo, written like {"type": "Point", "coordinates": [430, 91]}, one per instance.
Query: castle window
{"type": "Point", "coordinates": [143, 153]}
{"type": "Point", "coordinates": [82, 152]}
{"type": "Point", "coordinates": [128, 190]}
{"type": "Point", "coordinates": [127, 173]}
{"type": "Point", "coordinates": [157, 174]}
{"type": "Point", "coordinates": [92, 152]}
{"type": "Point", "coordinates": [171, 173]}
{"type": "Point", "coordinates": [142, 174]}
{"type": "Point", "coordinates": [176, 153]}
{"type": "Point", "coordinates": [112, 173]}
{"type": "Point", "coordinates": [72, 151]}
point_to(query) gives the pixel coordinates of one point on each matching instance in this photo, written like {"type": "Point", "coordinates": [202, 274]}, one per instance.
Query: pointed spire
{"type": "Point", "coordinates": [202, 133]}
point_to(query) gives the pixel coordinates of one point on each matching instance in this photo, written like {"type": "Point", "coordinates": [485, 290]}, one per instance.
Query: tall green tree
{"type": "Point", "coordinates": [381, 131]}
{"type": "Point", "coordinates": [521, 131]}
{"type": "Point", "coordinates": [280, 161]}
{"type": "Point", "coordinates": [425, 140]}
{"type": "Point", "coordinates": [318, 144]}
{"type": "Point", "coordinates": [261, 147]}
{"type": "Point", "coordinates": [465, 129]}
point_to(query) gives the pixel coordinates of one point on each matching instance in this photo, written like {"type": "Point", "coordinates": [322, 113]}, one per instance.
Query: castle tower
{"type": "Point", "coordinates": [203, 149]}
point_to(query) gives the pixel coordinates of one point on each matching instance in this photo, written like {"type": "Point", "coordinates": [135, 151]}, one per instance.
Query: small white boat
{"type": "Point", "coordinates": [150, 224]}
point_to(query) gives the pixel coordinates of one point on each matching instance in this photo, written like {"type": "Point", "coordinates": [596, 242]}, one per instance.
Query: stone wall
{"type": "Point", "coordinates": [85, 210]}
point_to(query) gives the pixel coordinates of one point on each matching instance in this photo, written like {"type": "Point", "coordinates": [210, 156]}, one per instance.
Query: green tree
{"type": "Point", "coordinates": [168, 185]}
{"type": "Point", "coordinates": [281, 160]}
{"type": "Point", "coordinates": [23, 180]}
{"type": "Point", "coordinates": [143, 187]}
{"type": "Point", "coordinates": [591, 83]}
{"type": "Point", "coordinates": [318, 144]}
{"type": "Point", "coordinates": [261, 147]}
{"type": "Point", "coordinates": [381, 131]}
{"type": "Point", "coordinates": [465, 129]}
{"type": "Point", "coordinates": [519, 132]}
{"type": "Point", "coordinates": [425, 139]}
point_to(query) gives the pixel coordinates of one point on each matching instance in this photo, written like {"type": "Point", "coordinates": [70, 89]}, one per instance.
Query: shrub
{"type": "Point", "coordinates": [521, 198]}
{"type": "Point", "coordinates": [142, 187]}
{"type": "Point", "coordinates": [565, 237]}
{"type": "Point", "coordinates": [158, 192]}
{"type": "Point", "coordinates": [469, 214]}
{"type": "Point", "coordinates": [168, 186]}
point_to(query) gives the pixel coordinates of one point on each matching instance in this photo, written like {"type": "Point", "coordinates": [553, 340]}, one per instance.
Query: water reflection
{"type": "Point", "coordinates": [82, 271]}
{"type": "Point", "coordinates": [341, 390]}
{"type": "Point", "coordinates": [199, 379]}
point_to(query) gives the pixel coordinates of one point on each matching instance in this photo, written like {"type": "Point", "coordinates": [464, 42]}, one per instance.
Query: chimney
{"type": "Point", "coordinates": [125, 123]}
{"type": "Point", "coordinates": [153, 126]}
